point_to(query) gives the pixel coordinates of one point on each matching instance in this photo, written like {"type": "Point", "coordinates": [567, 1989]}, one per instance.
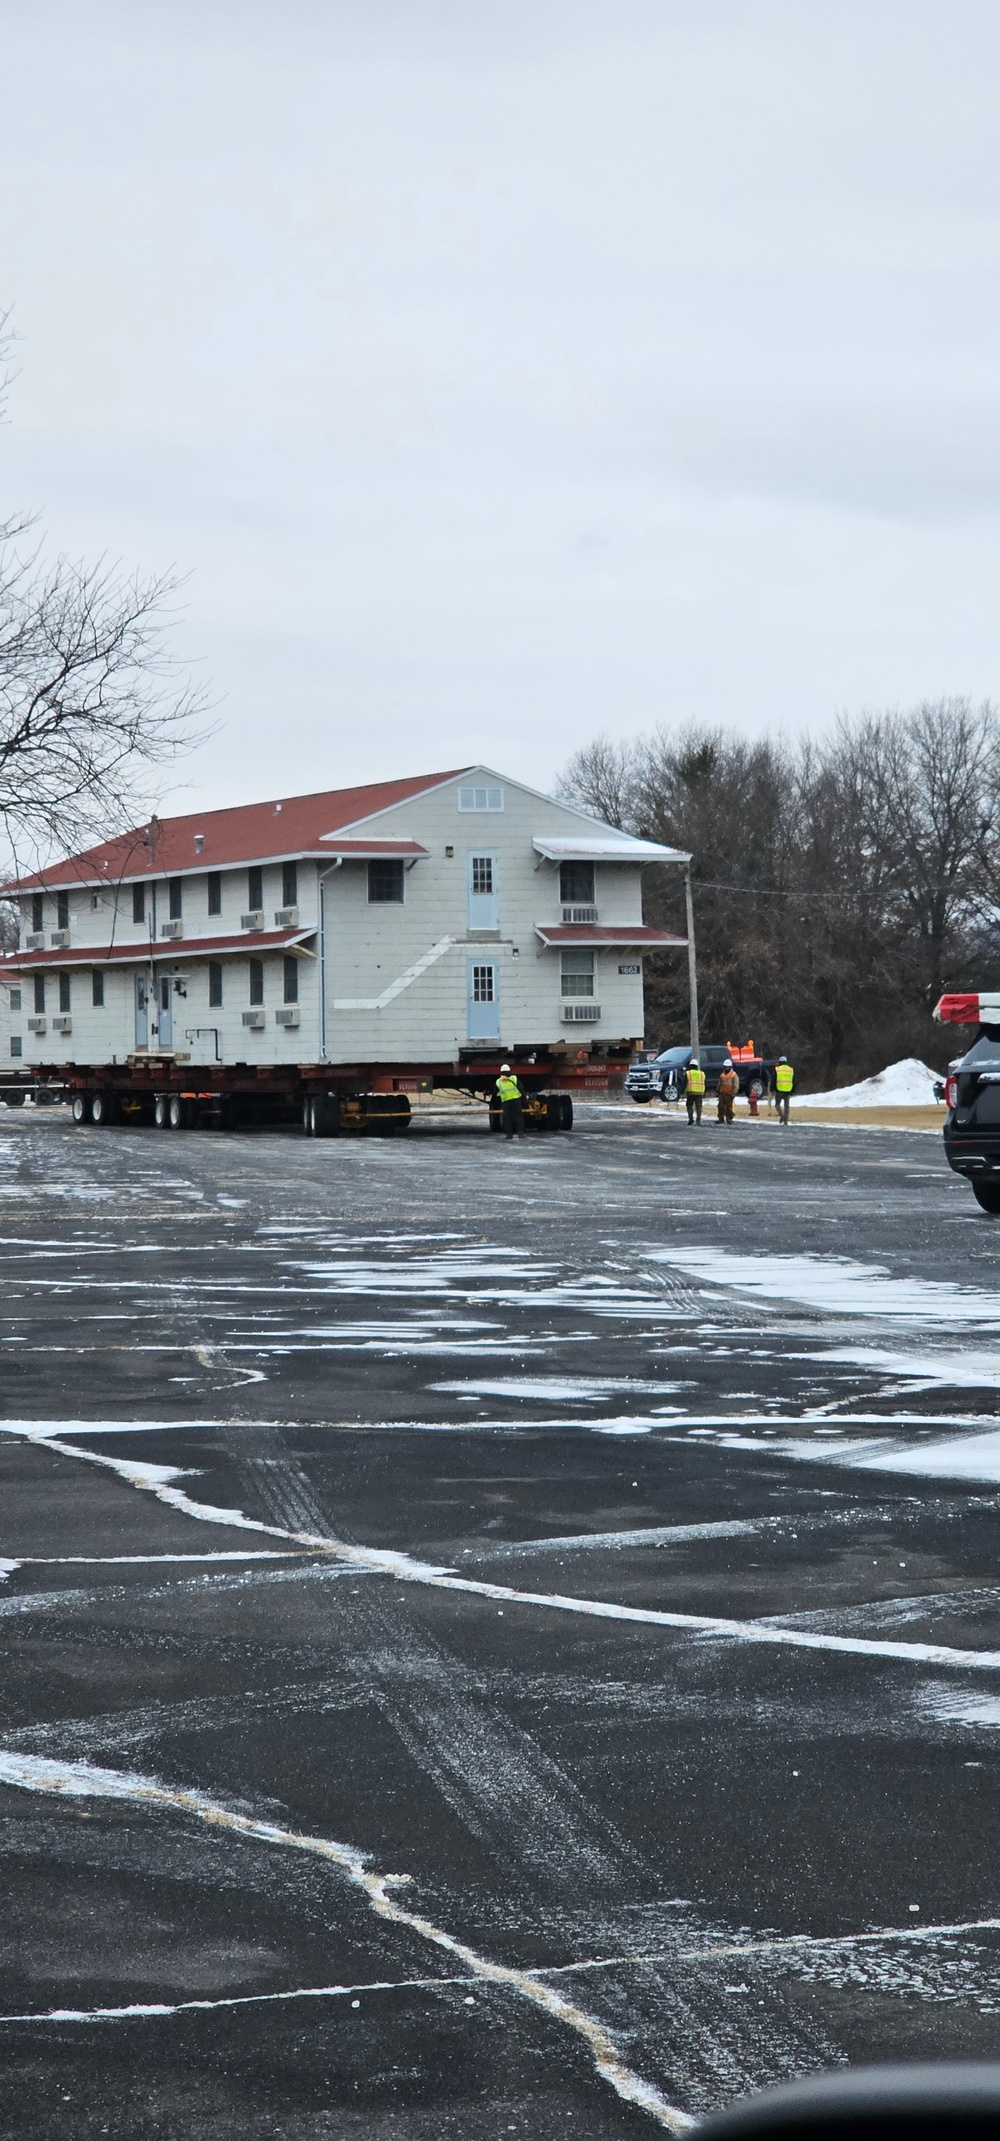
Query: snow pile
{"type": "Point", "coordinates": [908, 1084]}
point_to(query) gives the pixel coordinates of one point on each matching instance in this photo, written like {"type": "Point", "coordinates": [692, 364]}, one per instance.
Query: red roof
{"type": "Point", "coordinates": [140, 953]}
{"type": "Point", "coordinates": [250, 832]}
{"type": "Point", "coordinates": [637, 933]}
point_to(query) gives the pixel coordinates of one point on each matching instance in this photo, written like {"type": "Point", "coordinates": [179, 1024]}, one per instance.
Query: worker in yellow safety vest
{"type": "Point", "coordinates": [694, 1090]}
{"type": "Point", "coordinates": [784, 1079]}
{"type": "Point", "coordinates": [509, 1095]}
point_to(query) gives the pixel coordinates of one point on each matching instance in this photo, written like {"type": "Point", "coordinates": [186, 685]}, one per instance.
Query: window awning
{"type": "Point", "coordinates": [633, 936]}
{"type": "Point", "coordinates": [602, 847]}
{"type": "Point", "coordinates": [252, 942]}
{"type": "Point", "coordinates": [373, 850]}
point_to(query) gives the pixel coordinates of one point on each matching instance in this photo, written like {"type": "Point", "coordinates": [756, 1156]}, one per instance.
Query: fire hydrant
{"type": "Point", "coordinates": [753, 1095]}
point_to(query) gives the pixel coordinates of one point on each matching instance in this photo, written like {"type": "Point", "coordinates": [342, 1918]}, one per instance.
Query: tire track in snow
{"type": "Point", "coordinates": [156, 1479]}
{"type": "Point", "coordinates": [495, 1777]}
{"type": "Point", "coordinates": [81, 1780]}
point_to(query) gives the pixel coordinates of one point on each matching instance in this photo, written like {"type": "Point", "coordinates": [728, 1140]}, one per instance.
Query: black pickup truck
{"type": "Point", "coordinates": [662, 1077]}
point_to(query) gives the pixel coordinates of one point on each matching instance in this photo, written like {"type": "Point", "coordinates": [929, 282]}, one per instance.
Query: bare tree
{"type": "Point", "coordinates": [91, 698]}
{"type": "Point", "coordinates": [601, 778]}
{"type": "Point", "coordinates": [839, 885]}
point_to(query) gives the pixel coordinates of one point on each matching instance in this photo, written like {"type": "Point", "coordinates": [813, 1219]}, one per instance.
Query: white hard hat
{"type": "Point", "coordinates": [504, 1067]}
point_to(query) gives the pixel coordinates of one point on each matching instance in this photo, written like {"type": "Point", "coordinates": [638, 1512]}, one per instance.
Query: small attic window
{"type": "Point", "coordinates": [199, 843]}
{"type": "Point", "coordinates": [480, 799]}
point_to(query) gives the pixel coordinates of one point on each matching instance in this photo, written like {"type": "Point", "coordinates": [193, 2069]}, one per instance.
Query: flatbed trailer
{"type": "Point", "coordinates": [322, 1099]}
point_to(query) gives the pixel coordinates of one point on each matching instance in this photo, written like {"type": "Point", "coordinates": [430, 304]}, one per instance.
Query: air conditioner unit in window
{"type": "Point", "coordinates": [171, 929]}
{"type": "Point", "coordinates": [254, 920]}
{"type": "Point", "coordinates": [582, 1014]}
{"type": "Point", "coordinates": [579, 914]}
{"type": "Point", "coordinates": [288, 1016]}
{"type": "Point", "coordinates": [253, 1018]}
{"type": "Point", "coordinates": [36, 941]}
{"type": "Point", "coordinates": [59, 939]}
{"type": "Point", "coordinates": [37, 1025]}
{"type": "Point", "coordinates": [62, 1024]}
{"type": "Point", "coordinates": [286, 918]}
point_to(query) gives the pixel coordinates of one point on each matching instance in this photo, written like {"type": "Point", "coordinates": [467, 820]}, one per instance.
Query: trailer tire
{"type": "Point", "coordinates": [13, 1100]}
{"type": "Point", "coordinates": [177, 1113]}
{"type": "Point", "coordinates": [78, 1108]}
{"type": "Point", "coordinates": [321, 1115]}
{"type": "Point", "coordinates": [987, 1196]}
{"type": "Point", "coordinates": [101, 1110]}
{"type": "Point", "coordinates": [161, 1111]}
{"type": "Point", "coordinates": [565, 1111]}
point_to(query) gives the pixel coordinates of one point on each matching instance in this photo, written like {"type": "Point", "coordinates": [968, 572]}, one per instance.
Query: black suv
{"type": "Point", "coordinates": [972, 1124]}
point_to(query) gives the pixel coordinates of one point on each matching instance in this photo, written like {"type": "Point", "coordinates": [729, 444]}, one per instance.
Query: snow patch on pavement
{"type": "Point", "coordinates": [837, 1285]}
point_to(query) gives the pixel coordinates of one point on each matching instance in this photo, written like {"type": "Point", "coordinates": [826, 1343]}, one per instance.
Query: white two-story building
{"type": "Point", "coordinates": [410, 921]}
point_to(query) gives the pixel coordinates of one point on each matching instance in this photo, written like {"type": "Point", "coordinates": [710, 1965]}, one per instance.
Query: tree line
{"type": "Point", "coordinates": [840, 885]}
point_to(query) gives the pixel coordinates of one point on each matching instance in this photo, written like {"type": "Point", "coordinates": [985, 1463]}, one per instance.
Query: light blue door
{"type": "Point", "coordinates": [141, 1011]}
{"type": "Point", "coordinates": [484, 1000]}
{"type": "Point", "coordinates": [165, 1012]}
{"type": "Point", "coordinates": [484, 892]}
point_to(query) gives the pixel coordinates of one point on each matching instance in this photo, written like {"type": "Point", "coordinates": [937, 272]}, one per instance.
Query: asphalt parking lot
{"type": "Point", "coordinates": [498, 1641]}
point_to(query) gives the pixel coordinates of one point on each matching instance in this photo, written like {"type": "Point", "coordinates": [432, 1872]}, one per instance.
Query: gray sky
{"type": "Point", "coordinates": [506, 370]}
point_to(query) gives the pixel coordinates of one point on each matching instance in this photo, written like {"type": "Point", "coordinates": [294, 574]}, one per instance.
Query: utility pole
{"type": "Point", "coordinates": [692, 961]}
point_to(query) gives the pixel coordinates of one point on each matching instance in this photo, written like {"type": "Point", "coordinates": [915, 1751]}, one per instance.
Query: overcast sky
{"type": "Point", "coordinates": [506, 370]}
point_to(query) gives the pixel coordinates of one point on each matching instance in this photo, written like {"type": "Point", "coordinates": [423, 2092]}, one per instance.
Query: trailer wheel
{"type": "Point", "coordinates": [321, 1115]}
{"type": "Point", "coordinates": [78, 1107]}
{"type": "Point", "coordinates": [161, 1115]}
{"type": "Point", "coordinates": [177, 1113]}
{"type": "Point", "coordinates": [13, 1100]}
{"type": "Point", "coordinates": [100, 1109]}
{"type": "Point", "coordinates": [565, 1111]}
{"type": "Point", "coordinates": [987, 1196]}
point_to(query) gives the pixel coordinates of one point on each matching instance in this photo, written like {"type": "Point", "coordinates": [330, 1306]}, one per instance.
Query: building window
{"type": "Point", "coordinates": [576, 884]}
{"type": "Point", "coordinates": [15, 999]}
{"type": "Point", "coordinates": [37, 911]}
{"type": "Point", "coordinates": [62, 910]}
{"type": "Point", "coordinates": [483, 978]}
{"type": "Point", "coordinates": [39, 981]}
{"type": "Point", "coordinates": [215, 985]}
{"type": "Point", "coordinates": [385, 880]}
{"type": "Point", "coordinates": [256, 981]}
{"type": "Point", "coordinates": [578, 973]}
{"type": "Point", "coordinates": [15, 1044]}
{"type": "Point", "coordinates": [175, 894]}
{"type": "Point", "coordinates": [255, 890]}
{"type": "Point", "coordinates": [97, 982]}
{"type": "Point", "coordinates": [289, 884]}
{"type": "Point", "coordinates": [96, 901]}
{"type": "Point", "coordinates": [482, 875]}
{"type": "Point", "coordinates": [64, 993]}
{"type": "Point", "coordinates": [291, 981]}
{"type": "Point", "coordinates": [215, 892]}
{"type": "Point", "coordinates": [138, 903]}
{"type": "Point", "coordinates": [480, 799]}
